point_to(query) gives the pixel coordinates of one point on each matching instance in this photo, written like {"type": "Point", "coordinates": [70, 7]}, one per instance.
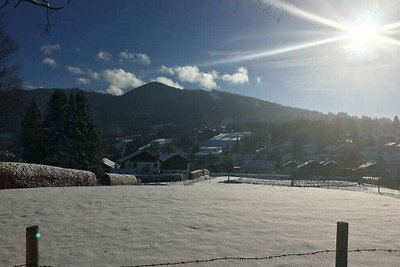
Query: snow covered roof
{"type": "Point", "coordinates": [205, 151]}
{"type": "Point", "coordinates": [109, 163]}
{"type": "Point", "coordinates": [137, 153]}
{"type": "Point", "coordinates": [291, 163]}
{"type": "Point", "coordinates": [367, 164]}
{"type": "Point", "coordinates": [164, 157]}
{"type": "Point", "coordinates": [223, 139]}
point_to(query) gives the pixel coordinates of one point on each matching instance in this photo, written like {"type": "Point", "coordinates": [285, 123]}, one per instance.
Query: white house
{"type": "Point", "coordinates": [140, 162]}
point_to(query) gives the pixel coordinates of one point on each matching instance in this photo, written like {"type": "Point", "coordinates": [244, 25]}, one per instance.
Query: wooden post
{"type": "Point", "coordinates": [379, 185]}
{"type": "Point", "coordinates": [342, 235]}
{"type": "Point", "coordinates": [32, 247]}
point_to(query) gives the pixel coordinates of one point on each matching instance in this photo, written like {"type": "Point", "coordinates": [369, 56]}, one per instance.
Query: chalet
{"type": "Point", "coordinates": [174, 162]}
{"type": "Point", "coordinates": [140, 162]}
{"type": "Point", "coordinates": [208, 156]}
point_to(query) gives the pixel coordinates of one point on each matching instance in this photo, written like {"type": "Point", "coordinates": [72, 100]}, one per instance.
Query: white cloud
{"type": "Point", "coordinates": [119, 80]}
{"type": "Point", "coordinates": [49, 49]}
{"type": "Point", "coordinates": [50, 62]}
{"type": "Point", "coordinates": [89, 73]}
{"type": "Point", "coordinates": [93, 74]}
{"type": "Point", "coordinates": [240, 77]}
{"type": "Point", "coordinates": [134, 57]}
{"type": "Point", "coordinates": [28, 86]}
{"type": "Point", "coordinates": [113, 90]}
{"type": "Point", "coordinates": [192, 74]}
{"type": "Point", "coordinates": [168, 70]}
{"type": "Point", "coordinates": [103, 55]}
{"type": "Point", "coordinates": [82, 81]}
{"type": "Point", "coordinates": [75, 70]}
{"type": "Point", "coordinates": [168, 82]}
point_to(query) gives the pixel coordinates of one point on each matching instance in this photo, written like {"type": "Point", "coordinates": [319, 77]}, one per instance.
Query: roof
{"type": "Point", "coordinates": [328, 163]}
{"type": "Point", "coordinates": [307, 163]}
{"type": "Point", "coordinates": [206, 152]}
{"type": "Point", "coordinates": [223, 139]}
{"type": "Point", "coordinates": [367, 165]}
{"type": "Point", "coordinates": [149, 157]}
{"type": "Point", "coordinates": [108, 163]}
{"type": "Point", "coordinates": [165, 157]}
{"type": "Point", "coordinates": [291, 163]}
{"type": "Point", "coordinates": [391, 144]}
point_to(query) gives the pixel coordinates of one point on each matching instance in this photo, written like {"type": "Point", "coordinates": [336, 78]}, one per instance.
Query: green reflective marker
{"type": "Point", "coordinates": [38, 235]}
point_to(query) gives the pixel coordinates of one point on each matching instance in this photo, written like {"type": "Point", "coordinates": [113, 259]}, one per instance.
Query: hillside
{"type": "Point", "coordinates": [134, 225]}
{"type": "Point", "coordinates": [156, 103]}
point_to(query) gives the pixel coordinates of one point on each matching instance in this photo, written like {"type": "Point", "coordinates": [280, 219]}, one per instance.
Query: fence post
{"type": "Point", "coordinates": [342, 235]}
{"type": "Point", "coordinates": [32, 247]}
{"type": "Point", "coordinates": [379, 185]}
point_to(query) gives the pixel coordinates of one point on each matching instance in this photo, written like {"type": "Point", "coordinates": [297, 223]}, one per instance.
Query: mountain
{"type": "Point", "coordinates": [156, 104]}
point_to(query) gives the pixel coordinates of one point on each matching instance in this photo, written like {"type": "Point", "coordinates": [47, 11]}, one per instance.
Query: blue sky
{"type": "Point", "coordinates": [245, 47]}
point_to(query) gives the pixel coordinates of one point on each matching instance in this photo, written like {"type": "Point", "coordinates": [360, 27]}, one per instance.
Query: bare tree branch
{"type": "Point", "coordinates": [42, 3]}
{"type": "Point", "coordinates": [45, 4]}
{"type": "Point", "coordinates": [39, 3]}
{"type": "Point", "coordinates": [4, 4]}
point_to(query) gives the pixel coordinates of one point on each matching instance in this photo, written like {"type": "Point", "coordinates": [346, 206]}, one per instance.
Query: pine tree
{"type": "Point", "coordinates": [55, 129]}
{"type": "Point", "coordinates": [85, 140]}
{"type": "Point", "coordinates": [396, 124]}
{"type": "Point", "coordinates": [70, 120]}
{"type": "Point", "coordinates": [33, 136]}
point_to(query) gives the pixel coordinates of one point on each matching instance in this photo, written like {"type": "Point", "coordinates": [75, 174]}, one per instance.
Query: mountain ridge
{"type": "Point", "coordinates": [156, 103]}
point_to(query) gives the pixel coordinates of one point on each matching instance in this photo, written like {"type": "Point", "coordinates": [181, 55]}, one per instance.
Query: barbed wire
{"type": "Point", "coordinates": [239, 258]}
{"type": "Point", "coordinates": [229, 258]}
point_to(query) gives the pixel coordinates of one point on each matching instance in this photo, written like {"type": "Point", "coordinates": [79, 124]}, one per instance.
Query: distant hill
{"type": "Point", "coordinates": [156, 104]}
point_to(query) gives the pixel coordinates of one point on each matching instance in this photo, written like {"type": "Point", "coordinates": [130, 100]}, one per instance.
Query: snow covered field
{"type": "Point", "coordinates": [132, 225]}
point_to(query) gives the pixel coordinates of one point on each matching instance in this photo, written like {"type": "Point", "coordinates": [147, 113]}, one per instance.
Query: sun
{"type": "Point", "coordinates": [364, 35]}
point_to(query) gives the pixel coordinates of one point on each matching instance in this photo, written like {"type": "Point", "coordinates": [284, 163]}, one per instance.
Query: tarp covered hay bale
{"type": "Point", "coordinates": [25, 175]}
{"type": "Point", "coordinates": [163, 178]}
{"type": "Point", "coordinates": [119, 179]}
{"type": "Point", "coordinates": [198, 173]}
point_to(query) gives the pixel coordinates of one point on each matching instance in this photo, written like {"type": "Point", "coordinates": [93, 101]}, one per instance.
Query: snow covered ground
{"type": "Point", "coordinates": [132, 225]}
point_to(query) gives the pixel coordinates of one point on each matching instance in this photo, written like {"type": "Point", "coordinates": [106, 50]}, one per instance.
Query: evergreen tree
{"type": "Point", "coordinates": [84, 140]}
{"type": "Point", "coordinates": [236, 146]}
{"type": "Point", "coordinates": [32, 135]}
{"type": "Point", "coordinates": [56, 129]}
{"type": "Point", "coordinates": [396, 124]}
{"type": "Point", "coordinates": [70, 121]}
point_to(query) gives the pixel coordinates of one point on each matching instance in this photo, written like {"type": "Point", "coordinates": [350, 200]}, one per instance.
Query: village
{"type": "Point", "coordinates": [222, 154]}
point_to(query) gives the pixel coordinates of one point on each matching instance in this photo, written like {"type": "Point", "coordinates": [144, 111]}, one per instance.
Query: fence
{"type": "Point", "coordinates": [342, 231]}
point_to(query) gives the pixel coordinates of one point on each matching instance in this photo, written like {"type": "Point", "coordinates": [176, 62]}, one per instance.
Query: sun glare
{"type": "Point", "coordinates": [363, 36]}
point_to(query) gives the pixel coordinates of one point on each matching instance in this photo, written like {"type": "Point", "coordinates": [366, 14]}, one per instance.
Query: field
{"type": "Point", "coordinates": [133, 225]}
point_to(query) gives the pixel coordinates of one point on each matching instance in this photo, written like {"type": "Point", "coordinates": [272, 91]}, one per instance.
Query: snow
{"type": "Point", "coordinates": [130, 225]}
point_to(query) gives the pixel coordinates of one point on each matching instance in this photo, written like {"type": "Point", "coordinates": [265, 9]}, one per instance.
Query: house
{"type": "Point", "coordinates": [140, 162]}
{"type": "Point", "coordinates": [227, 141]}
{"type": "Point", "coordinates": [208, 156]}
{"type": "Point", "coordinates": [174, 162]}
{"type": "Point", "coordinates": [259, 166]}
